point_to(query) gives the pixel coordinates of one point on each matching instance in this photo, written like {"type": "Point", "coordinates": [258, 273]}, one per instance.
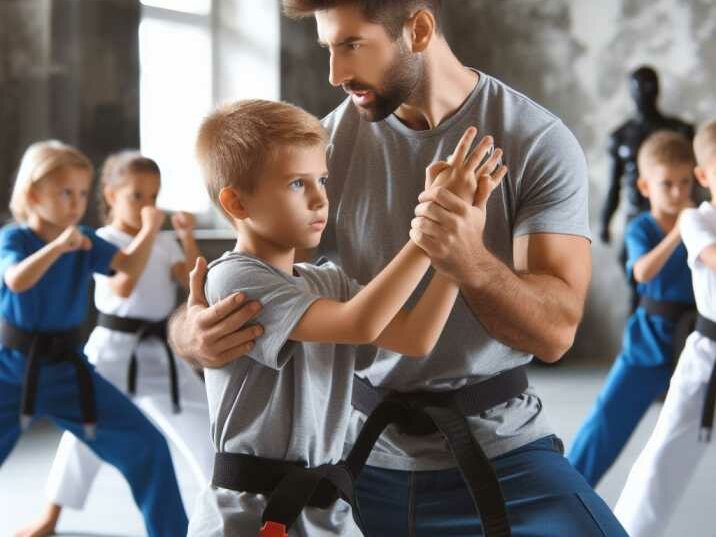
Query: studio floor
{"type": "Point", "coordinates": [567, 392]}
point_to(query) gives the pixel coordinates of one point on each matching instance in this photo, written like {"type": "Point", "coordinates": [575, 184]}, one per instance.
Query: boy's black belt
{"type": "Point", "coordinates": [422, 413]}
{"type": "Point", "coordinates": [707, 328]}
{"type": "Point", "coordinates": [289, 487]}
{"type": "Point", "coordinates": [684, 315]}
{"type": "Point", "coordinates": [55, 347]}
{"type": "Point", "coordinates": [144, 329]}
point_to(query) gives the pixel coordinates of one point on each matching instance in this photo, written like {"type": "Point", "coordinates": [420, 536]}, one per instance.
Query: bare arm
{"type": "Point", "coordinates": [534, 308]}
{"type": "Point", "coordinates": [130, 262]}
{"type": "Point", "coordinates": [25, 274]}
{"type": "Point", "coordinates": [416, 332]}
{"type": "Point", "coordinates": [649, 265]}
{"type": "Point", "coordinates": [183, 223]}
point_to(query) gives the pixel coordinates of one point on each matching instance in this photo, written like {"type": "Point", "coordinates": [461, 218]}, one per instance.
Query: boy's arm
{"type": "Point", "coordinates": [25, 274]}
{"type": "Point", "coordinates": [649, 265]}
{"type": "Point", "coordinates": [130, 262]}
{"type": "Point", "coordinates": [364, 317]}
{"type": "Point", "coordinates": [183, 224]}
{"type": "Point", "coordinates": [415, 332]}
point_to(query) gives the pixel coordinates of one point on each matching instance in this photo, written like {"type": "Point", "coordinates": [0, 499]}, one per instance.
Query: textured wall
{"type": "Point", "coordinates": [573, 57]}
{"type": "Point", "coordinates": [69, 69]}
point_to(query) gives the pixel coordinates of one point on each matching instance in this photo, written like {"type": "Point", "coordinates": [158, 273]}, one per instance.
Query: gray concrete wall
{"type": "Point", "coordinates": [69, 69]}
{"type": "Point", "coordinates": [571, 56]}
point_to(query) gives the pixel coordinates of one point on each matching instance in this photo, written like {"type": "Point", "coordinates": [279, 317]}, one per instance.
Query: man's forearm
{"type": "Point", "coordinates": [176, 324]}
{"type": "Point", "coordinates": [534, 313]}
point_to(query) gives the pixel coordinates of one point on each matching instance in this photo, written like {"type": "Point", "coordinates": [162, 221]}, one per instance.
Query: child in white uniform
{"type": "Point", "coordinates": [130, 182]}
{"type": "Point", "coordinates": [660, 475]}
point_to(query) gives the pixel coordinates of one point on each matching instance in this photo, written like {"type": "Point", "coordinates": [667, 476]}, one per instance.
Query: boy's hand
{"type": "Point", "coordinates": [72, 239]}
{"type": "Point", "coordinates": [183, 223]}
{"type": "Point", "coordinates": [152, 218]}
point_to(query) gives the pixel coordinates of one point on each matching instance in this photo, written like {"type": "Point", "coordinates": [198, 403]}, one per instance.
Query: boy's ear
{"type": "Point", "coordinates": [109, 195]}
{"type": "Point", "coordinates": [422, 30]}
{"type": "Point", "coordinates": [643, 185]}
{"type": "Point", "coordinates": [700, 175]}
{"type": "Point", "coordinates": [231, 201]}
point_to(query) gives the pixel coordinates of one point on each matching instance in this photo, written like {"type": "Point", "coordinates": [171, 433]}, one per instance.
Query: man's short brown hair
{"type": "Point", "coordinates": [667, 148]}
{"type": "Point", "coordinates": [237, 140]}
{"type": "Point", "coordinates": [705, 142]}
{"type": "Point", "coordinates": [392, 14]}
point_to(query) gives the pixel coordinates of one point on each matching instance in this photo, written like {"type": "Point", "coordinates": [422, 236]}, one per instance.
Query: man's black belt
{"type": "Point", "coordinates": [288, 486]}
{"type": "Point", "coordinates": [707, 328]}
{"type": "Point", "coordinates": [684, 315]}
{"type": "Point", "coordinates": [52, 347]}
{"type": "Point", "coordinates": [422, 413]}
{"type": "Point", "coordinates": [144, 329]}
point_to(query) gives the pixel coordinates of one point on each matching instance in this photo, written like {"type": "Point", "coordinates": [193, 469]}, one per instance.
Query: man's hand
{"type": "Point", "coordinates": [450, 229]}
{"type": "Point", "coordinates": [213, 336]}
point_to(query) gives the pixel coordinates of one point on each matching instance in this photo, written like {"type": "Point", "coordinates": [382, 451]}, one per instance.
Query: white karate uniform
{"type": "Point", "coordinates": [660, 475]}
{"type": "Point", "coordinates": [153, 298]}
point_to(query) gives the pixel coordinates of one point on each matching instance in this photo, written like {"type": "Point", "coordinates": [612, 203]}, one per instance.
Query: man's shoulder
{"type": "Point", "coordinates": [514, 104]}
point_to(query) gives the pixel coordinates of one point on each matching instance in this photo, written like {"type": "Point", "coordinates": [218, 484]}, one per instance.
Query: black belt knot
{"type": "Point", "coordinates": [144, 329]}
{"type": "Point", "coordinates": [54, 347]}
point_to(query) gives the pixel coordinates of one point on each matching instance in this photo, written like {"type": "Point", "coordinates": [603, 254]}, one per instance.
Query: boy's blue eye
{"type": "Point", "coordinates": [297, 184]}
{"type": "Point", "coordinates": [323, 181]}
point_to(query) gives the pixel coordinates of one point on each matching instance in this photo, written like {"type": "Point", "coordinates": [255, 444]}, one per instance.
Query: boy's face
{"type": "Point", "coordinates": [379, 73]}
{"type": "Point", "coordinates": [706, 174]}
{"type": "Point", "coordinates": [668, 186]}
{"type": "Point", "coordinates": [289, 207]}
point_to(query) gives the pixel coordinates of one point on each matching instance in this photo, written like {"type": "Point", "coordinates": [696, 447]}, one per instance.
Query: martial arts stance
{"type": "Point", "coordinates": [656, 331]}
{"type": "Point", "coordinates": [46, 262]}
{"type": "Point", "coordinates": [659, 477]}
{"type": "Point", "coordinates": [287, 403]}
{"type": "Point", "coordinates": [128, 348]}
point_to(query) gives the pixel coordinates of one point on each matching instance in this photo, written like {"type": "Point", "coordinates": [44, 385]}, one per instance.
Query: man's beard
{"type": "Point", "coordinates": [402, 78]}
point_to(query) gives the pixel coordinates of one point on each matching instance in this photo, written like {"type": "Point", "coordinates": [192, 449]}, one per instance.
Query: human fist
{"type": "Point", "coordinates": [152, 218]}
{"type": "Point", "coordinates": [72, 239]}
{"type": "Point", "coordinates": [183, 223]}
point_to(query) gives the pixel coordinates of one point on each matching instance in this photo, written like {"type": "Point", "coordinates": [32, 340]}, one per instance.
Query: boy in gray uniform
{"type": "Point", "coordinates": [265, 168]}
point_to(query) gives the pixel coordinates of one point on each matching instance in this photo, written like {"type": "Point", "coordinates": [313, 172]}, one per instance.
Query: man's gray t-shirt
{"type": "Point", "coordinates": [285, 400]}
{"type": "Point", "coordinates": [377, 171]}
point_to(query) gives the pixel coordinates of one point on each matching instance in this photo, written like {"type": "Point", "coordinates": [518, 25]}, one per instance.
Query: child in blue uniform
{"type": "Point", "coordinates": [46, 262]}
{"type": "Point", "coordinates": [657, 262]}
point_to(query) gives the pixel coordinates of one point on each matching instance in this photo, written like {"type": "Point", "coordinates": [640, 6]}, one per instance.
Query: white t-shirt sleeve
{"type": "Point", "coordinates": [696, 233]}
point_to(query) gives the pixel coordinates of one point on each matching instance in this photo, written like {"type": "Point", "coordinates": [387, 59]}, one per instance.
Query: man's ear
{"type": "Point", "coordinates": [422, 29]}
{"type": "Point", "coordinates": [231, 200]}
{"type": "Point", "coordinates": [700, 175]}
{"type": "Point", "coordinates": [643, 185]}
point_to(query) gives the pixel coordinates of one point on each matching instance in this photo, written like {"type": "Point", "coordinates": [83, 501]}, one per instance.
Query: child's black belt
{"type": "Point", "coordinates": [289, 487]}
{"type": "Point", "coordinates": [422, 413]}
{"type": "Point", "coordinates": [54, 347]}
{"type": "Point", "coordinates": [707, 328]}
{"type": "Point", "coordinates": [680, 313]}
{"type": "Point", "coordinates": [144, 329]}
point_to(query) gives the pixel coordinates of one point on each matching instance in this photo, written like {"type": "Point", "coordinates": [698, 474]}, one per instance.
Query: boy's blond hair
{"type": "Point", "coordinates": [39, 162]}
{"type": "Point", "coordinates": [237, 140]}
{"type": "Point", "coordinates": [705, 142]}
{"type": "Point", "coordinates": [663, 147]}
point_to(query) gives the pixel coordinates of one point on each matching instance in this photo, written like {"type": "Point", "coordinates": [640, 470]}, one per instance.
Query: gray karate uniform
{"type": "Point", "coordinates": [285, 400]}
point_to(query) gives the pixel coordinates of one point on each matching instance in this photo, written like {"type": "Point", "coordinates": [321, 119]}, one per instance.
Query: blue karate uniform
{"type": "Point", "coordinates": [642, 371]}
{"type": "Point", "coordinates": [124, 438]}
